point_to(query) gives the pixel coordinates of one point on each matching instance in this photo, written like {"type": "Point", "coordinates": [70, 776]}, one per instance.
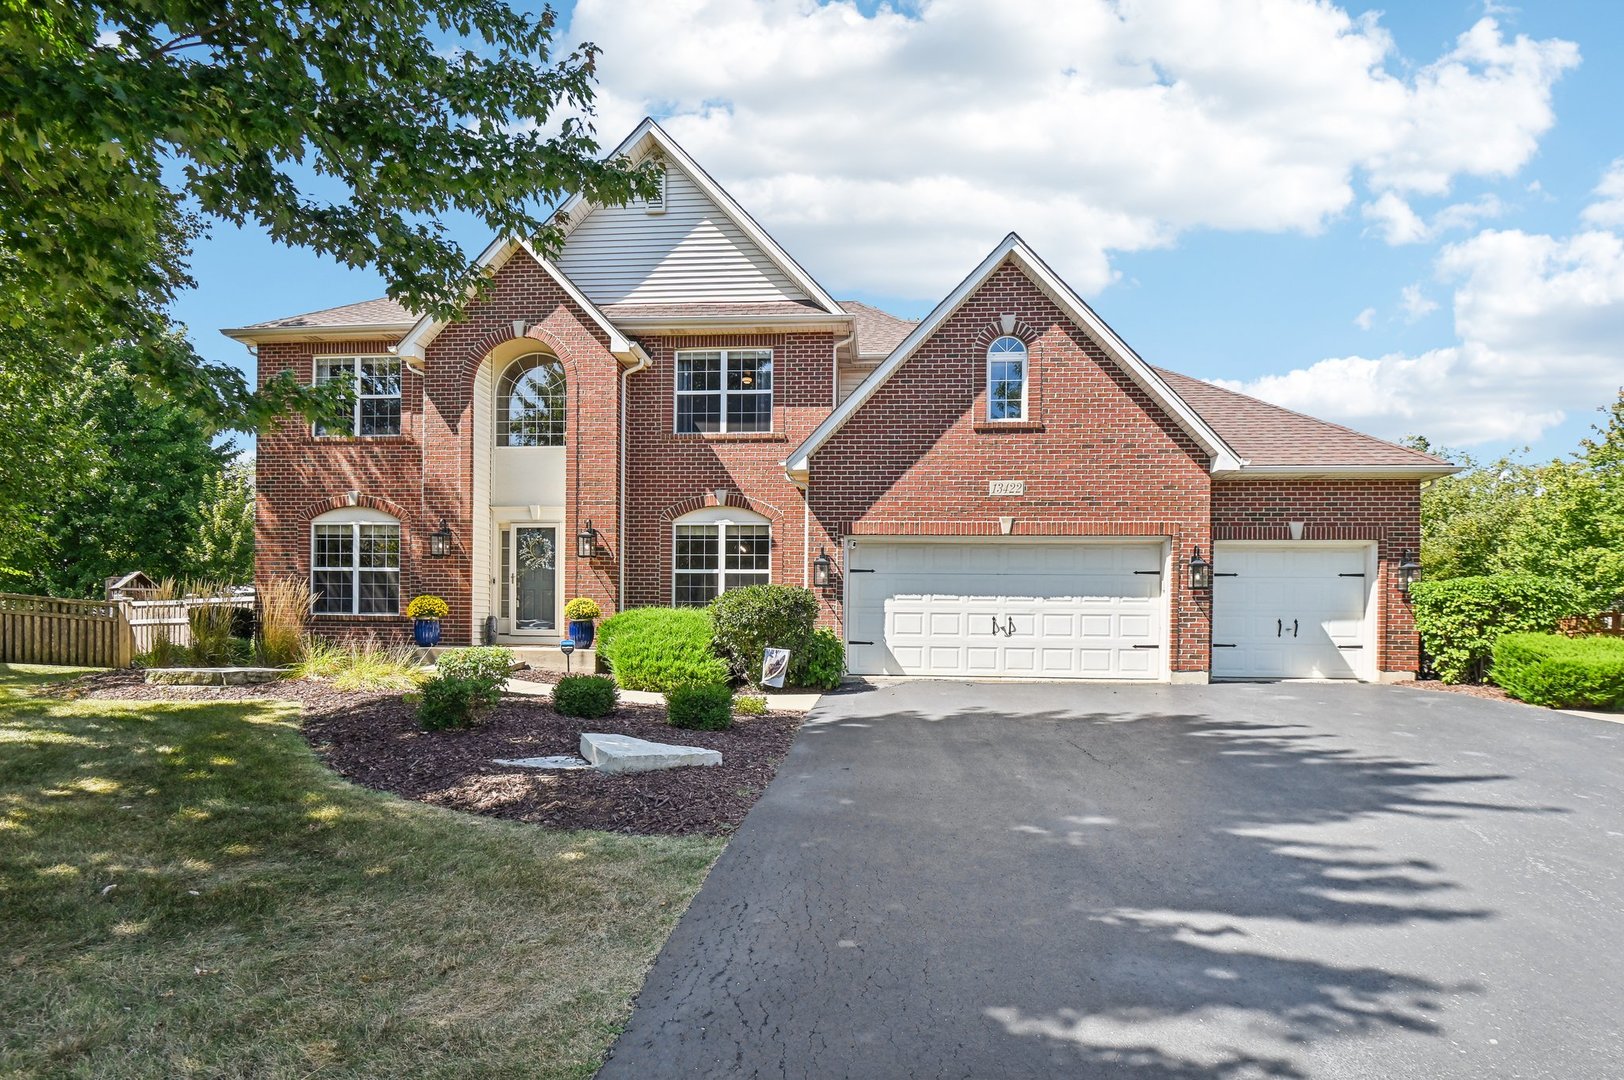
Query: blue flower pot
{"type": "Point", "coordinates": [582, 631]}
{"type": "Point", "coordinates": [426, 632]}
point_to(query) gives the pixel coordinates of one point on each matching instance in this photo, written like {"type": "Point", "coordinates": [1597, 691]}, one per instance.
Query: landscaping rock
{"type": "Point", "coordinates": [552, 761]}
{"type": "Point", "coordinates": [622, 753]}
{"type": "Point", "coordinates": [213, 676]}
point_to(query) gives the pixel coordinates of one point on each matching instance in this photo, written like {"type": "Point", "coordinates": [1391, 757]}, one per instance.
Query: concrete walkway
{"type": "Point", "coordinates": [784, 702]}
{"type": "Point", "coordinates": [1159, 882]}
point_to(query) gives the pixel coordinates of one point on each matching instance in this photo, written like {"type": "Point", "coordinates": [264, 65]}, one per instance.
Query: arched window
{"type": "Point", "coordinates": [355, 562]}
{"type": "Point", "coordinates": [1006, 379]}
{"type": "Point", "coordinates": [717, 549]}
{"type": "Point", "coordinates": [530, 402]}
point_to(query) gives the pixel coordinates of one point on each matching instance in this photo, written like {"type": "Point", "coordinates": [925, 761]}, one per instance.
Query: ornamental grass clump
{"type": "Point", "coordinates": [367, 665]}
{"type": "Point", "coordinates": [210, 611]}
{"type": "Point", "coordinates": [284, 605]}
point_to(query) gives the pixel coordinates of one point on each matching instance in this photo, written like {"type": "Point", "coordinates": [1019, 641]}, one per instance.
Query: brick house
{"type": "Point", "coordinates": [672, 407]}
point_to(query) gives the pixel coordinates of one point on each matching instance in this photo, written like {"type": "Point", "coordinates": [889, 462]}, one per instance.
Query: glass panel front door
{"type": "Point", "coordinates": [533, 579]}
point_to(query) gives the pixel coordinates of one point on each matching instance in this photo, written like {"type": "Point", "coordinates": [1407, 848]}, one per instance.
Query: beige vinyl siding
{"type": "Point", "coordinates": [692, 253]}
{"type": "Point", "coordinates": [851, 373]}
{"type": "Point", "coordinates": [484, 437]}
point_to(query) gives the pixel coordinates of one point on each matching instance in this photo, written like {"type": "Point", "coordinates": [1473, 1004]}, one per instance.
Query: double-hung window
{"type": "Point", "coordinates": [713, 556]}
{"type": "Point", "coordinates": [355, 564]}
{"type": "Point", "coordinates": [1006, 379]}
{"type": "Point", "coordinates": [374, 382]}
{"type": "Point", "coordinates": [724, 390]}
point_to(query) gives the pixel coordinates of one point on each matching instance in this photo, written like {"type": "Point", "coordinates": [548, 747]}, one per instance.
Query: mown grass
{"type": "Point", "coordinates": [185, 891]}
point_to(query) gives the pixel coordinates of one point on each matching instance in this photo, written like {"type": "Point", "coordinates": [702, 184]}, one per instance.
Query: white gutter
{"type": "Point", "coordinates": [644, 362]}
{"type": "Point", "coordinates": [256, 334]}
{"type": "Point", "coordinates": [1335, 472]}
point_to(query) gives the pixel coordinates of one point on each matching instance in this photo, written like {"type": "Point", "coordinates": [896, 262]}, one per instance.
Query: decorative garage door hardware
{"type": "Point", "coordinates": [1216, 645]}
{"type": "Point", "coordinates": [854, 570]}
{"type": "Point", "coordinates": [850, 642]}
{"type": "Point", "coordinates": [1147, 646]}
{"type": "Point", "coordinates": [1361, 574]}
{"type": "Point", "coordinates": [1007, 631]}
{"type": "Point", "coordinates": [1280, 626]}
{"type": "Point", "coordinates": [1226, 575]}
{"type": "Point", "coordinates": [1151, 573]}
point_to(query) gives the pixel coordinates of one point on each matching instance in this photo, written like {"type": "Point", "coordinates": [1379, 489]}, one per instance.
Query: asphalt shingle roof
{"type": "Point", "coordinates": [377, 312]}
{"type": "Point", "coordinates": [878, 332]}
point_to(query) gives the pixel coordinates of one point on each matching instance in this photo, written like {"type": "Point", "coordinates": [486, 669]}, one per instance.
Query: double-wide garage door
{"type": "Point", "coordinates": [1001, 608]}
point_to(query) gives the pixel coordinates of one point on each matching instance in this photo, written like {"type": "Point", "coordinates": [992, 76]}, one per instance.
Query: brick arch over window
{"type": "Point", "coordinates": [348, 499]}
{"type": "Point", "coordinates": [729, 498]}
{"type": "Point", "coordinates": [1017, 328]}
{"type": "Point", "coordinates": [533, 334]}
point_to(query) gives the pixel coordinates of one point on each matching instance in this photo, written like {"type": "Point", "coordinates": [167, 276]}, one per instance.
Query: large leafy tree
{"type": "Point", "coordinates": [350, 127]}
{"type": "Point", "coordinates": [222, 546]}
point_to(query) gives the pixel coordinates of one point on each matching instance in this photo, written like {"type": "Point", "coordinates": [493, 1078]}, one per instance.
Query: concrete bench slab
{"type": "Point", "coordinates": [213, 676]}
{"type": "Point", "coordinates": [622, 753]}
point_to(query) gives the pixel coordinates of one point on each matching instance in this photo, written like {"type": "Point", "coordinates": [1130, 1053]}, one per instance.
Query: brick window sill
{"type": "Point", "coordinates": [1008, 425]}
{"type": "Point", "coordinates": [732, 436]}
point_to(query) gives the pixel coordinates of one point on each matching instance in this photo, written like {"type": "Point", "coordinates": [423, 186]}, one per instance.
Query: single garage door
{"type": "Point", "coordinates": [1004, 608]}
{"type": "Point", "coordinates": [1291, 611]}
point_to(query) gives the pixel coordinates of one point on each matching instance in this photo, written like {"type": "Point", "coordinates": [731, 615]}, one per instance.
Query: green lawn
{"type": "Point", "coordinates": [271, 920]}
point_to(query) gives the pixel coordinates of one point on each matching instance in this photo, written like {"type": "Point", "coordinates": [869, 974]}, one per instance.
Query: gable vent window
{"type": "Point", "coordinates": [1006, 379]}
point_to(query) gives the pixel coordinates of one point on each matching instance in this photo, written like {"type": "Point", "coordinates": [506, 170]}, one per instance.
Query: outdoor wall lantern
{"type": "Point", "coordinates": [586, 541]}
{"type": "Point", "coordinates": [1409, 571]}
{"type": "Point", "coordinates": [820, 569]}
{"type": "Point", "coordinates": [440, 540]}
{"type": "Point", "coordinates": [1200, 571]}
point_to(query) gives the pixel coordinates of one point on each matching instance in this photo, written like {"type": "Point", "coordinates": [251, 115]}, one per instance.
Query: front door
{"type": "Point", "coordinates": [532, 583]}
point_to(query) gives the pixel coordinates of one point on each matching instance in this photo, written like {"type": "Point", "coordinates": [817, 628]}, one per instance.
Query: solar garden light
{"type": "Point", "coordinates": [566, 646]}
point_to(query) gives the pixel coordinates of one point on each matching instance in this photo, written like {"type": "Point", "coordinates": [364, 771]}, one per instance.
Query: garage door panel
{"type": "Point", "coordinates": [1285, 609]}
{"type": "Point", "coordinates": [1057, 610]}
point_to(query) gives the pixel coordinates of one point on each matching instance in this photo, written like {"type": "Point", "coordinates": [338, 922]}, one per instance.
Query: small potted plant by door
{"type": "Point", "coordinates": [581, 613]}
{"type": "Point", "coordinates": [426, 612]}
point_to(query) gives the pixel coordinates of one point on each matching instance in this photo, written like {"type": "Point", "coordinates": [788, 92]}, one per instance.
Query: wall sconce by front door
{"type": "Point", "coordinates": [586, 542]}
{"type": "Point", "coordinates": [1409, 571]}
{"type": "Point", "coordinates": [1200, 571]}
{"type": "Point", "coordinates": [440, 540]}
{"type": "Point", "coordinates": [820, 569]}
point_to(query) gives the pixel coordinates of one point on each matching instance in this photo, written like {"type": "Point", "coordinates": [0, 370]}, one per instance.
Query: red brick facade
{"type": "Point", "coordinates": [1097, 454]}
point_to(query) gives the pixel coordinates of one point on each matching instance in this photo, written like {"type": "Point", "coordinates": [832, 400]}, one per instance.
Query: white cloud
{"type": "Point", "coordinates": [1416, 304]}
{"type": "Point", "coordinates": [890, 151]}
{"type": "Point", "coordinates": [1608, 208]}
{"type": "Point", "coordinates": [1398, 223]}
{"type": "Point", "coordinates": [1365, 319]}
{"type": "Point", "coordinates": [1539, 322]}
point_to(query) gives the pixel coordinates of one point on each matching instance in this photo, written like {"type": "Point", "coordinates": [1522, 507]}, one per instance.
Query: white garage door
{"type": "Point", "coordinates": [1032, 610]}
{"type": "Point", "coordinates": [1291, 611]}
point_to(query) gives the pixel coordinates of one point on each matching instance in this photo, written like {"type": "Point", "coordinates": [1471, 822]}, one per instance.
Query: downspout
{"type": "Point", "coordinates": [834, 360]}
{"type": "Point", "coordinates": [644, 362]}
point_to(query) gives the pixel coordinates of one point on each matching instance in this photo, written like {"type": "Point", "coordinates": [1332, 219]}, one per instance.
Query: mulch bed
{"type": "Point", "coordinates": [373, 739]}
{"type": "Point", "coordinates": [1488, 693]}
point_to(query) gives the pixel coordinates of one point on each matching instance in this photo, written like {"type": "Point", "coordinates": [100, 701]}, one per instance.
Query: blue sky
{"type": "Point", "coordinates": [1355, 212]}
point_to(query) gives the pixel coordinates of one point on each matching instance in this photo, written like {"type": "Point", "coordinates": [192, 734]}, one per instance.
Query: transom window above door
{"type": "Point", "coordinates": [530, 402]}
{"type": "Point", "coordinates": [374, 382]}
{"type": "Point", "coordinates": [718, 549]}
{"type": "Point", "coordinates": [724, 390]}
{"type": "Point", "coordinates": [1006, 379]}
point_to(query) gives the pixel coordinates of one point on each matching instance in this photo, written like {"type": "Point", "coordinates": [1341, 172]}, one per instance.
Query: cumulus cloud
{"type": "Point", "coordinates": [890, 150]}
{"type": "Point", "coordinates": [1365, 319]}
{"type": "Point", "coordinates": [1416, 304]}
{"type": "Point", "coordinates": [1397, 223]}
{"type": "Point", "coordinates": [1608, 208]}
{"type": "Point", "coordinates": [1539, 322]}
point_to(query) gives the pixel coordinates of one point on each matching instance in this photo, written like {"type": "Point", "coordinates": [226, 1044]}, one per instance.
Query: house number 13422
{"type": "Point", "coordinates": [1006, 487]}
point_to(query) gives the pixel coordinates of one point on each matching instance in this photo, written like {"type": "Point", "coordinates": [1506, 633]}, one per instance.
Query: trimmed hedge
{"type": "Point", "coordinates": [1459, 619]}
{"type": "Point", "coordinates": [477, 662]}
{"type": "Point", "coordinates": [1561, 672]}
{"type": "Point", "coordinates": [589, 696]}
{"type": "Point", "coordinates": [700, 708]}
{"type": "Point", "coordinates": [751, 619]}
{"type": "Point", "coordinates": [659, 649]}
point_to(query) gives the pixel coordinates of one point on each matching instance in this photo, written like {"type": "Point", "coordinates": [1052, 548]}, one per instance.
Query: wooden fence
{"type": "Point", "coordinates": [1609, 623]}
{"type": "Point", "coordinates": [149, 618]}
{"type": "Point", "coordinates": [47, 630]}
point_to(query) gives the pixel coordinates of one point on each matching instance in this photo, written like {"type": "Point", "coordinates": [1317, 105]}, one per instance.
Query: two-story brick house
{"type": "Point", "coordinates": [673, 407]}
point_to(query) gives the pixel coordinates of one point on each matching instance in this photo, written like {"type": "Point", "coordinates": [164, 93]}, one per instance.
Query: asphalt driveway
{"type": "Point", "coordinates": [984, 880]}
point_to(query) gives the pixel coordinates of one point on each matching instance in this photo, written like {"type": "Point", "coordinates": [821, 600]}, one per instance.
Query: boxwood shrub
{"type": "Point", "coordinates": [658, 649]}
{"type": "Point", "coordinates": [750, 619]}
{"type": "Point", "coordinates": [700, 708]}
{"type": "Point", "coordinates": [454, 701]}
{"type": "Point", "coordinates": [588, 696]}
{"type": "Point", "coordinates": [1459, 619]}
{"type": "Point", "coordinates": [479, 662]}
{"type": "Point", "coordinates": [1561, 672]}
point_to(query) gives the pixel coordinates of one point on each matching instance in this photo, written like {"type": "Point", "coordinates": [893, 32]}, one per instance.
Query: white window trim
{"type": "Point", "coordinates": [722, 393]}
{"type": "Point", "coordinates": [1026, 377]}
{"type": "Point", "coordinates": [722, 518]}
{"type": "Point", "coordinates": [496, 414]}
{"type": "Point", "coordinates": [355, 384]}
{"type": "Point", "coordinates": [354, 518]}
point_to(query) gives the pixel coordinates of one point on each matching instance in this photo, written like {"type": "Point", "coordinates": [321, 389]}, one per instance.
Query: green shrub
{"type": "Point", "coordinates": [706, 707]}
{"type": "Point", "coordinates": [589, 696]}
{"type": "Point", "coordinates": [1561, 672]}
{"type": "Point", "coordinates": [479, 662]}
{"type": "Point", "coordinates": [751, 619]}
{"type": "Point", "coordinates": [455, 702]}
{"type": "Point", "coordinates": [1460, 618]}
{"type": "Point", "coordinates": [821, 664]}
{"type": "Point", "coordinates": [660, 648]}
{"type": "Point", "coordinates": [750, 705]}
